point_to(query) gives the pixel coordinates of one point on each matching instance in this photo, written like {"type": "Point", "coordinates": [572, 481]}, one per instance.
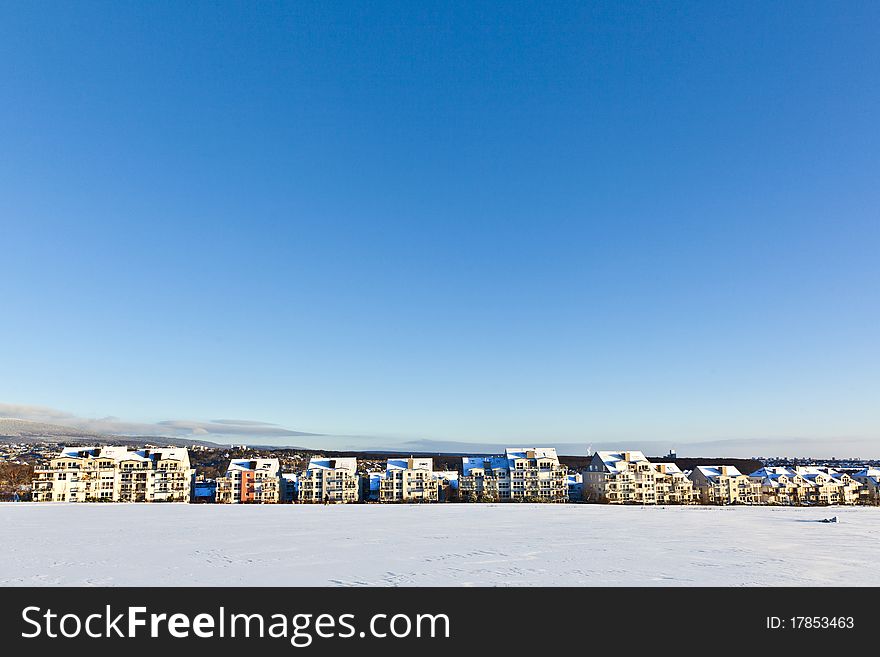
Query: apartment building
{"type": "Point", "coordinates": [620, 478]}
{"type": "Point", "coordinates": [781, 486]}
{"type": "Point", "coordinates": [630, 478]}
{"type": "Point", "coordinates": [829, 486]}
{"type": "Point", "coordinates": [484, 478]}
{"type": "Point", "coordinates": [115, 474]}
{"type": "Point", "coordinates": [724, 484]}
{"type": "Point", "coordinates": [253, 481]}
{"type": "Point", "coordinates": [523, 473]}
{"type": "Point", "coordinates": [370, 482]}
{"type": "Point", "coordinates": [869, 478]}
{"type": "Point", "coordinates": [672, 486]}
{"type": "Point", "coordinates": [330, 480]}
{"type": "Point", "coordinates": [409, 480]}
{"type": "Point", "coordinates": [447, 484]}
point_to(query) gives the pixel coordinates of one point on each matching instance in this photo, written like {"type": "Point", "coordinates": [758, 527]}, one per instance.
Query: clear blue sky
{"type": "Point", "coordinates": [502, 222]}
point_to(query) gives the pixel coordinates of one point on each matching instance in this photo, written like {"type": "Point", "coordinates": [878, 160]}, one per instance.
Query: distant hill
{"type": "Point", "coordinates": [25, 431]}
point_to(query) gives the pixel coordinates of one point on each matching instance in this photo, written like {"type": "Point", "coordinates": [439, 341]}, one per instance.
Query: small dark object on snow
{"type": "Point", "coordinates": [834, 519]}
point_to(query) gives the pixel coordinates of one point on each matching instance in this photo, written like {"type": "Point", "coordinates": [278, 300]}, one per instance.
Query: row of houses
{"type": "Point", "coordinates": [630, 478]}
{"type": "Point", "coordinates": [119, 474]}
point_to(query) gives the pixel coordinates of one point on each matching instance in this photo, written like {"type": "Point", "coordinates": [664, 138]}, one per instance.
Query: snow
{"type": "Point", "coordinates": [389, 545]}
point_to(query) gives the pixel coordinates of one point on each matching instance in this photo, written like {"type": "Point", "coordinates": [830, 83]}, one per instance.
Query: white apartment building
{"type": "Point", "coordinates": [254, 481]}
{"type": "Point", "coordinates": [630, 478]}
{"type": "Point", "coordinates": [724, 484]}
{"type": "Point", "coordinates": [523, 473]}
{"type": "Point", "coordinates": [484, 478]}
{"type": "Point", "coordinates": [115, 474]}
{"type": "Point", "coordinates": [330, 480]}
{"type": "Point", "coordinates": [409, 480]}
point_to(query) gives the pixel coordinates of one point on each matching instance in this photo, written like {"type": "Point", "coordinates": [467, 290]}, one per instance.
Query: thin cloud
{"type": "Point", "coordinates": [245, 423]}
{"type": "Point", "coordinates": [175, 428]}
{"type": "Point", "coordinates": [248, 427]}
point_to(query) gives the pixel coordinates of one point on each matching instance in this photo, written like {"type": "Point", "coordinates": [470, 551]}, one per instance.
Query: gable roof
{"type": "Point", "coordinates": [344, 463]}
{"type": "Point", "coordinates": [469, 463]}
{"type": "Point", "coordinates": [619, 461]}
{"type": "Point", "coordinates": [119, 453]}
{"type": "Point", "coordinates": [715, 471]}
{"type": "Point", "coordinates": [272, 466]}
{"type": "Point", "coordinates": [410, 464]}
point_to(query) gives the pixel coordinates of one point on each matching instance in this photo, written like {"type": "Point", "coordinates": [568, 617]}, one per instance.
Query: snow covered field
{"type": "Point", "coordinates": [435, 545]}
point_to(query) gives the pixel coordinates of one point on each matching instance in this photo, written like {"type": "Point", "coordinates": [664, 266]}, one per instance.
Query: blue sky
{"type": "Point", "coordinates": [456, 222]}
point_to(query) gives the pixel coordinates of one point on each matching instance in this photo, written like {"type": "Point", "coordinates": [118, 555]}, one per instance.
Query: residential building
{"type": "Point", "coordinates": [522, 474]}
{"type": "Point", "coordinates": [289, 486]}
{"type": "Point", "coordinates": [628, 477]}
{"type": "Point", "coordinates": [829, 486]}
{"type": "Point", "coordinates": [724, 484]}
{"type": "Point", "coordinates": [370, 482]}
{"type": "Point", "coordinates": [409, 480]}
{"type": "Point", "coordinates": [484, 478]}
{"type": "Point", "coordinates": [782, 486]}
{"type": "Point", "coordinates": [253, 481]}
{"type": "Point", "coordinates": [619, 478]}
{"type": "Point", "coordinates": [447, 484]}
{"type": "Point", "coordinates": [869, 478]}
{"type": "Point", "coordinates": [330, 480]}
{"type": "Point", "coordinates": [672, 486]}
{"type": "Point", "coordinates": [204, 491]}
{"type": "Point", "coordinates": [574, 487]}
{"type": "Point", "coordinates": [115, 474]}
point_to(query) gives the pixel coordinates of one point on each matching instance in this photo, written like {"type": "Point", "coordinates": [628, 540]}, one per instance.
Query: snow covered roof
{"type": "Point", "coordinates": [514, 453]}
{"type": "Point", "coordinates": [872, 474]}
{"type": "Point", "coordinates": [817, 474]}
{"type": "Point", "coordinates": [667, 468]}
{"type": "Point", "coordinates": [410, 464]}
{"type": "Point", "coordinates": [345, 463]}
{"type": "Point", "coordinates": [773, 472]}
{"type": "Point", "coordinates": [715, 471]}
{"type": "Point", "coordinates": [508, 461]}
{"type": "Point", "coordinates": [447, 475]}
{"type": "Point", "coordinates": [272, 466]}
{"type": "Point", "coordinates": [469, 463]}
{"type": "Point", "coordinates": [78, 452]}
{"type": "Point", "coordinates": [118, 453]}
{"type": "Point", "coordinates": [619, 461]}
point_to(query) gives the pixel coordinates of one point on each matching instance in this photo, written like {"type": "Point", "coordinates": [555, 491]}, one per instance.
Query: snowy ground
{"type": "Point", "coordinates": [434, 545]}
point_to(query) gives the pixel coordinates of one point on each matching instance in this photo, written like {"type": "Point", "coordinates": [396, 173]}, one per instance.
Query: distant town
{"type": "Point", "coordinates": [54, 472]}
